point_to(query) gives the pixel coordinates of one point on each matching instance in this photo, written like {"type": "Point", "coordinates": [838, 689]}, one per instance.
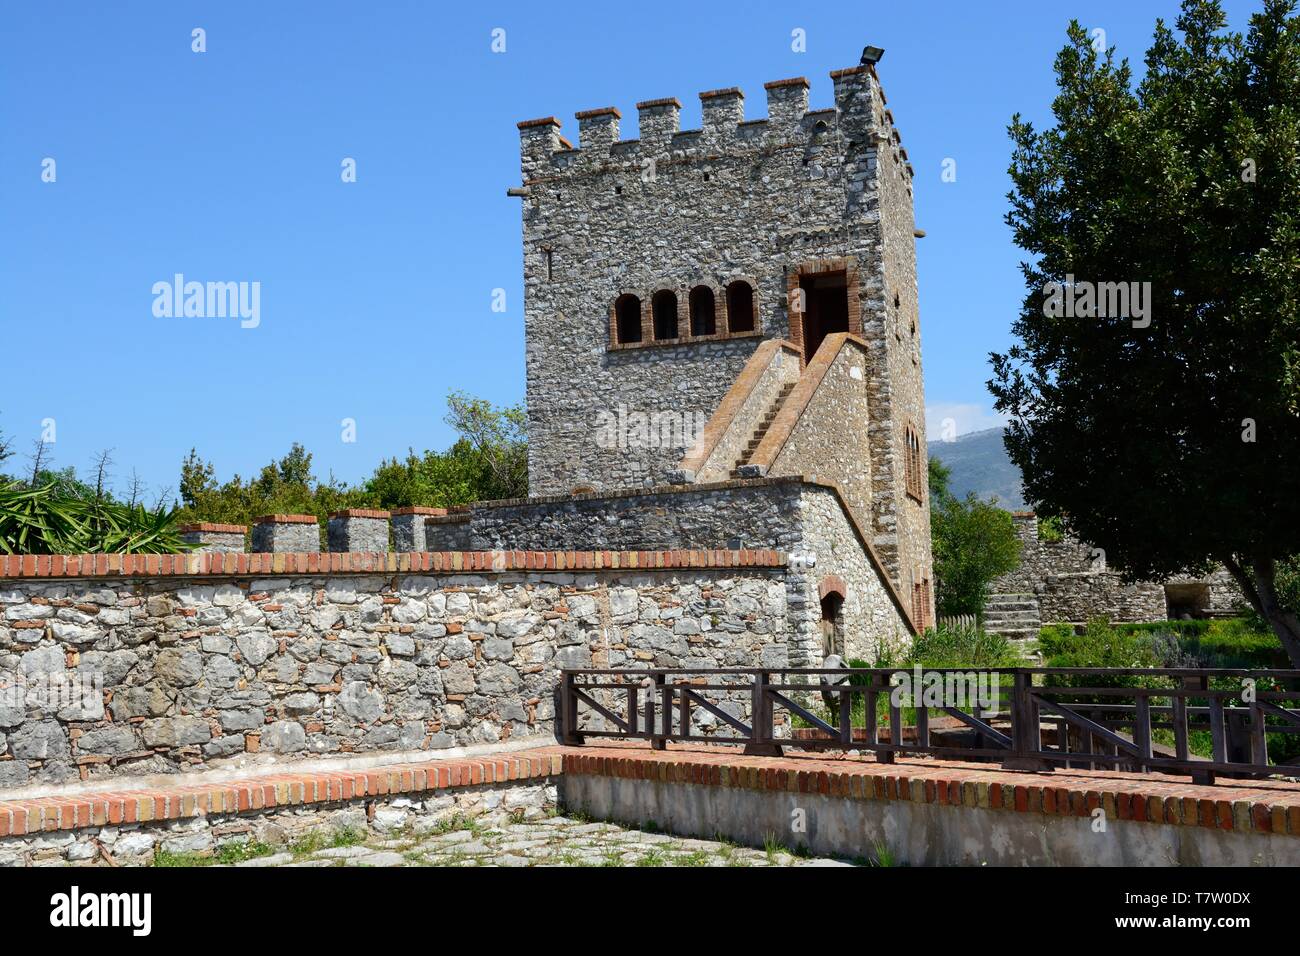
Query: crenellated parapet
{"type": "Point", "coordinates": [859, 119]}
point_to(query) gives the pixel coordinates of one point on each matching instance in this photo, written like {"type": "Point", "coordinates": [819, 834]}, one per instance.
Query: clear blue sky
{"type": "Point", "coordinates": [376, 296]}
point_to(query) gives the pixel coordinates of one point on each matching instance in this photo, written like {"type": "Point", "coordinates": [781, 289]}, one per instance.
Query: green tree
{"type": "Point", "coordinates": [1168, 441]}
{"type": "Point", "coordinates": [500, 436]}
{"type": "Point", "coordinates": [973, 543]}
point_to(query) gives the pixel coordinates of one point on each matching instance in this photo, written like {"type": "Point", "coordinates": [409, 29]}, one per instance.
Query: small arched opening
{"type": "Point", "coordinates": [703, 311]}
{"type": "Point", "coordinates": [664, 307]}
{"type": "Point", "coordinates": [627, 318]}
{"type": "Point", "coordinates": [740, 307]}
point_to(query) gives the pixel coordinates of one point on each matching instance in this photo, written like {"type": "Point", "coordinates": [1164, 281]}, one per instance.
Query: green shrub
{"type": "Point", "coordinates": [49, 519]}
{"type": "Point", "coordinates": [962, 647]}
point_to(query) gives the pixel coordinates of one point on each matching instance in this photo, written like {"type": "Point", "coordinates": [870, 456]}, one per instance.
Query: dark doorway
{"type": "Point", "coordinates": [1183, 602]}
{"type": "Point", "coordinates": [832, 625]}
{"type": "Point", "coordinates": [826, 309]}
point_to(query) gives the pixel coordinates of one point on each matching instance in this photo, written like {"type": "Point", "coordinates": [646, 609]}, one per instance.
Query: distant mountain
{"type": "Point", "coordinates": [980, 464]}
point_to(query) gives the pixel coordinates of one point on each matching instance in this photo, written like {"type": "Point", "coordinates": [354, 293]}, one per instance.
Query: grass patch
{"type": "Point", "coordinates": [166, 858]}
{"type": "Point", "coordinates": [327, 839]}
{"type": "Point", "coordinates": [235, 852]}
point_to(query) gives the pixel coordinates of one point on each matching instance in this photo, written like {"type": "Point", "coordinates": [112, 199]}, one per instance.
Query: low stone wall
{"type": "Point", "coordinates": [181, 665]}
{"type": "Point", "coordinates": [199, 816]}
{"type": "Point", "coordinates": [1079, 598]}
{"type": "Point", "coordinates": [931, 813]}
{"type": "Point", "coordinates": [795, 514]}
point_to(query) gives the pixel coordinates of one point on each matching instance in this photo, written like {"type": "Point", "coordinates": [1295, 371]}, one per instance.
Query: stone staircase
{"type": "Point", "coordinates": [1014, 616]}
{"type": "Point", "coordinates": [757, 438]}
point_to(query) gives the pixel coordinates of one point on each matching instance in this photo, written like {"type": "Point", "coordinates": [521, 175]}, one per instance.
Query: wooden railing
{"type": "Point", "coordinates": [1125, 719]}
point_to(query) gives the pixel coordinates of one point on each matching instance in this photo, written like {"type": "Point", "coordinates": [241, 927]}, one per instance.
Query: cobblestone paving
{"type": "Point", "coordinates": [555, 841]}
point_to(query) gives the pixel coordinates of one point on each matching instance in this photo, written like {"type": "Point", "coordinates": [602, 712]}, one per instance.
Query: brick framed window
{"type": "Point", "coordinates": [626, 320]}
{"type": "Point", "coordinates": [702, 311]}
{"type": "Point", "coordinates": [914, 463]}
{"type": "Point", "coordinates": [921, 599]}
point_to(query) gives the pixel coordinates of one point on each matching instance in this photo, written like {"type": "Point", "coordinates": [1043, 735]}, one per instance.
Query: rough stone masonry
{"type": "Point", "coordinates": [159, 674]}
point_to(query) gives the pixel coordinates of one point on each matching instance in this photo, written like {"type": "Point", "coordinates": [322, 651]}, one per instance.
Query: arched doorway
{"type": "Point", "coordinates": [832, 593]}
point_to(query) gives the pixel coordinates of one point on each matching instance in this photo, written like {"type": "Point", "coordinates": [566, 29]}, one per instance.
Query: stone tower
{"type": "Point", "coordinates": [655, 268]}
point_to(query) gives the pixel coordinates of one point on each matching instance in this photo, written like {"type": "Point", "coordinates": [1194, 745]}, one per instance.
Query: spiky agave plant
{"type": "Point", "coordinates": [134, 529]}
{"type": "Point", "coordinates": [39, 521]}
{"type": "Point", "coordinates": [48, 520]}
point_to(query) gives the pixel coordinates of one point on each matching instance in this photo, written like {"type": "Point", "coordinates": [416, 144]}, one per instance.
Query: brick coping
{"type": "Point", "coordinates": [284, 788]}
{"type": "Point", "coordinates": [1261, 806]}
{"type": "Point", "coordinates": [43, 566]}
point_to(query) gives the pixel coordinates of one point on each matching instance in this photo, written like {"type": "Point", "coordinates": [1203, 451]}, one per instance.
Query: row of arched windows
{"type": "Point", "coordinates": [702, 317]}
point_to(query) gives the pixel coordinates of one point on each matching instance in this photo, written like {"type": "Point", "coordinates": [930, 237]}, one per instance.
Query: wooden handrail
{"type": "Point", "coordinates": [1089, 733]}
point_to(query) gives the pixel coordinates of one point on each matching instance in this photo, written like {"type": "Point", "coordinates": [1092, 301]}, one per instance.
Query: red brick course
{"type": "Point", "coordinates": [286, 789]}
{"type": "Point", "coordinates": [1257, 806]}
{"type": "Point", "coordinates": [371, 562]}
{"type": "Point", "coordinates": [1262, 806]}
{"type": "Point", "coordinates": [213, 528]}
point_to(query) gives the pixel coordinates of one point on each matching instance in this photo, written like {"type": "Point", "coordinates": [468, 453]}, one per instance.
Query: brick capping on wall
{"type": "Point", "coordinates": [418, 510]}
{"type": "Point", "coordinates": [286, 519]}
{"type": "Point", "coordinates": [268, 791]}
{"type": "Point", "coordinates": [361, 513]}
{"type": "Point", "coordinates": [1260, 807]}
{"type": "Point", "coordinates": [370, 562]}
{"type": "Point", "coordinates": [793, 81]}
{"type": "Point", "coordinates": [210, 527]}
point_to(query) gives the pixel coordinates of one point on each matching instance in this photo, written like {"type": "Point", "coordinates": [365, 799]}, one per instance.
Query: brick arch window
{"type": "Point", "coordinates": [740, 306]}
{"type": "Point", "coordinates": [704, 311]}
{"type": "Point", "coordinates": [663, 304]}
{"type": "Point", "coordinates": [627, 318]}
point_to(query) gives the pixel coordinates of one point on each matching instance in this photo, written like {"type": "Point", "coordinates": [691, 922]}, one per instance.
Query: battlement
{"type": "Point", "coordinates": [859, 116]}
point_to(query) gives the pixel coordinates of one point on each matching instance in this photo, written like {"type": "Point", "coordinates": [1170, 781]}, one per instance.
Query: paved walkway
{"type": "Point", "coordinates": [553, 841]}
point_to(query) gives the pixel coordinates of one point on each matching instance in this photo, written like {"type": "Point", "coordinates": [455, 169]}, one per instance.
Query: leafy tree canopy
{"type": "Point", "coordinates": [1169, 440]}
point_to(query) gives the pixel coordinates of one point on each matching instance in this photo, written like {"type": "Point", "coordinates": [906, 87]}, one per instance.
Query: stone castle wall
{"type": "Point", "coordinates": [149, 673]}
{"type": "Point", "coordinates": [1072, 583]}
{"type": "Point", "coordinates": [790, 514]}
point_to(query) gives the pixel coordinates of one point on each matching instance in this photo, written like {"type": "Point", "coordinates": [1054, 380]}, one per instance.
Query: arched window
{"type": "Point", "coordinates": [664, 306]}
{"type": "Point", "coordinates": [703, 311]}
{"type": "Point", "coordinates": [627, 318]}
{"type": "Point", "coordinates": [740, 307]}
